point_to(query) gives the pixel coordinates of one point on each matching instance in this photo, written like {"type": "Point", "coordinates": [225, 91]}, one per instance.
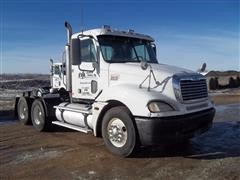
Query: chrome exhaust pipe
{"type": "Point", "coordinates": [68, 58]}
{"type": "Point", "coordinates": [51, 74]}
{"type": "Point", "coordinates": [69, 31]}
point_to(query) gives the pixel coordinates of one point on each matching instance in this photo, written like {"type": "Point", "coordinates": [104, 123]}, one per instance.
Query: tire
{"type": "Point", "coordinates": [119, 132]}
{"type": "Point", "coordinates": [38, 115]}
{"type": "Point", "coordinates": [23, 111]}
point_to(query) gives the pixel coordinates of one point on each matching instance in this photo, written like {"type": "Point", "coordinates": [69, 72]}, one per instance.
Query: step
{"type": "Point", "coordinates": [70, 126]}
{"type": "Point", "coordinates": [74, 107]}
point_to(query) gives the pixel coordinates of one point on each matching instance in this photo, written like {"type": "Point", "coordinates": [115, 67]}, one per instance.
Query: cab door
{"type": "Point", "coordinates": [85, 76]}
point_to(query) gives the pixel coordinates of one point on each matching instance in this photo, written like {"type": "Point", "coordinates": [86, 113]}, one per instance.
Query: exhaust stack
{"type": "Point", "coordinates": [69, 31]}
{"type": "Point", "coordinates": [68, 58]}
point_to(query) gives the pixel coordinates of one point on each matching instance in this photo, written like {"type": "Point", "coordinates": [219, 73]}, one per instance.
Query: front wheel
{"type": "Point", "coordinates": [119, 132]}
{"type": "Point", "coordinates": [38, 115]}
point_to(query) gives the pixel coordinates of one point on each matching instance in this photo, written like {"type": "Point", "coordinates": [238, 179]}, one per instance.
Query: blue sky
{"type": "Point", "coordinates": [187, 33]}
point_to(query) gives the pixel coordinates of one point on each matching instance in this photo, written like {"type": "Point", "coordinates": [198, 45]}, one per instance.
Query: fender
{"type": "Point", "coordinates": [135, 98]}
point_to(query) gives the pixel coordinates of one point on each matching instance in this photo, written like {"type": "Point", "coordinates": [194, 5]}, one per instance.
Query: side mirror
{"type": "Point", "coordinates": [154, 49]}
{"type": "Point", "coordinates": [203, 68]}
{"type": "Point", "coordinates": [144, 65]}
{"type": "Point", "coordinates": [75, 51]}
{"type": "Point", "coordinates": [51, 67]}
{"type": "Point", "coordinates": [64, 68]}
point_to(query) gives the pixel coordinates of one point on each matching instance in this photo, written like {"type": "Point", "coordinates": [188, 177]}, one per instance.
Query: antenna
{"type": "Point", "coordinates": [82, 16]}
{"type": "Point", "coordinates": [1, 38]}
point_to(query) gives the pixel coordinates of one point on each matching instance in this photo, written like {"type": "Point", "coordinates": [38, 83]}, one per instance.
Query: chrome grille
{"type": "Point", "coordinates": [193, 89]}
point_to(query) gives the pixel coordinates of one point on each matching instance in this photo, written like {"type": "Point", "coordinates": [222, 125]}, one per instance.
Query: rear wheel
{"type": "Point", "coordinates": [38, 115]}
{"type": "Point", "coordinates": [23, 111]}
{"type": "Point", "coordinates": [119, 132]}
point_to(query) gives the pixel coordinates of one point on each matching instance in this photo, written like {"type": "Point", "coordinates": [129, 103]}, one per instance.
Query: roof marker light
{"type": "Point", "coordinates": [131, 31]}
{"type": "Point", "coordinates": [106, 27]}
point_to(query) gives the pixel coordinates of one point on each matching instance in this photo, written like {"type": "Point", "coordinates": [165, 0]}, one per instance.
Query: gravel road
{"type": "Point", "coordinates": [66, 154]}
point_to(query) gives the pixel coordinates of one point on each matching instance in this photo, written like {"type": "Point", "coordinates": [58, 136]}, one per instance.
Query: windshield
{"type": "Point", "coordinates": [119, 49]}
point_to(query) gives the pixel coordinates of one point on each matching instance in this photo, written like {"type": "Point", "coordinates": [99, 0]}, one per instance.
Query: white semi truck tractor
{"type": "Point", "coordinates": [58, 77]}
{"type": "Point", "coordinates": [117, 90]}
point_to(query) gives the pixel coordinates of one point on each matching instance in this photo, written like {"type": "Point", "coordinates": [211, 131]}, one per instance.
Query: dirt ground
{"type": "Point", "coordinates": [66, 154]}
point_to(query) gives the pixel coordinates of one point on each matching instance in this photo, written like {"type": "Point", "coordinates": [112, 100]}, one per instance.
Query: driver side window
{"type": "Point", "coordinates": [88, 52]}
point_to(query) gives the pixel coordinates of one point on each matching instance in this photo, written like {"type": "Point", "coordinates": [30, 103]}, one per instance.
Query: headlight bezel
{"type": "Point", "coordinates": [157, 106]}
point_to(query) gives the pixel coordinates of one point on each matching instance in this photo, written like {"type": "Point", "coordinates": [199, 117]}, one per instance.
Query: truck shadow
{"type": "Point", "coordinates": [221, 141]}
{"type": "Point", "coordinates": [9, 117]}
{"type": "Point", "coordinates": [55, 128]}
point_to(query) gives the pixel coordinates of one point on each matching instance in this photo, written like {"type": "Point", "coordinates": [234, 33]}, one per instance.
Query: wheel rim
{"type": "Point", "coordinates": [23, 111]}
{"type": "Point", "coordinates": [117, 132]}
{"type": "Point", "coordinates": [38, 115]}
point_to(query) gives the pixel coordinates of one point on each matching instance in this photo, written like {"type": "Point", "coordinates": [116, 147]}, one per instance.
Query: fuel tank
{"type": "Point", "coordinates": [75, 114]}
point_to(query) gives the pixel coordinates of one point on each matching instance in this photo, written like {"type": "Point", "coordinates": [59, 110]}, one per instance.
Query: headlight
{"type": "Point", "coordinates": [159, 106]}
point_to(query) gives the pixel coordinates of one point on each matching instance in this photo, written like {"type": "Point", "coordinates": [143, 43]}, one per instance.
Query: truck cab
{"type": "Point", "coordinates": [119, 91]}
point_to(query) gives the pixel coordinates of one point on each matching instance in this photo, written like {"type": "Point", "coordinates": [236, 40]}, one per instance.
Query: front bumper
{"type": "Point", "coordinates": [167, 130]}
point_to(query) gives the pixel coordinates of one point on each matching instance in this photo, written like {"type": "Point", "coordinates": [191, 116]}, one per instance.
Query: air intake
{"type": "Point", "coordinates": [190, 88]}
{"type": "Point", "coordinates": [193, 89]}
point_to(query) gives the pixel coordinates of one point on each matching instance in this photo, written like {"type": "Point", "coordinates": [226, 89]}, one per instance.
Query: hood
{"type": "Point", "coordinates": [132, 73]}
{"type": "Point", "coordinates": [161, 71]}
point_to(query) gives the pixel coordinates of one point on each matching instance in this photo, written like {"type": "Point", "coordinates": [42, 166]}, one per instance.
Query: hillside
{"type": "Point", "coordinates": [23, 81]}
